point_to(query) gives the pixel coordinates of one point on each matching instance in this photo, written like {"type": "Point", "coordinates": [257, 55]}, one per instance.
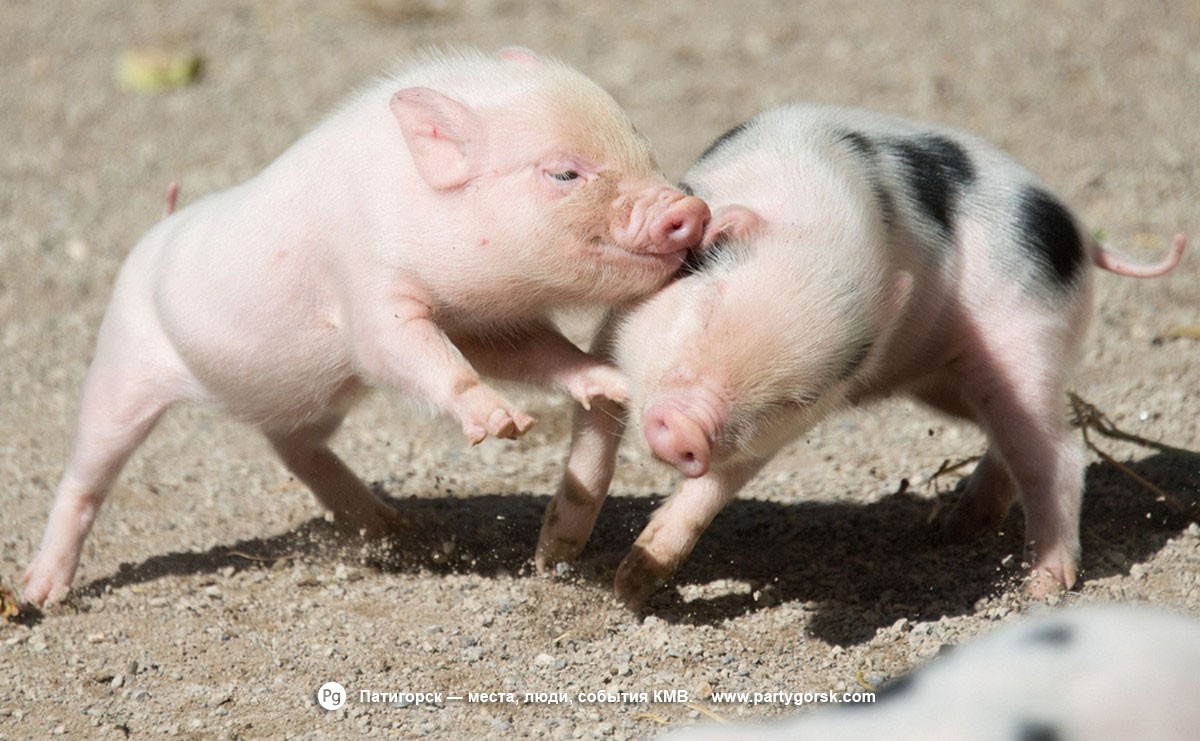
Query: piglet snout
{"type": "Point", "coordinates": [681, 226]}
{"type": "Point", "coordinates": [677, 439]}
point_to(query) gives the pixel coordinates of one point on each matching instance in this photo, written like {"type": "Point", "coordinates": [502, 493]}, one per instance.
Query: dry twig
{"type": "Point", "coordinates": [1089, 417]}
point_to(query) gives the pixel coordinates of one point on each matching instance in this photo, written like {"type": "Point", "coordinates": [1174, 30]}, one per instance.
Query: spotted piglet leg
{"type": "Point", "coordinates": [987, 495]}
{"type": "Point", "coordinates": [1019, 401]}
{"type": "Point", "coordinates": [571, 514]}
{"type": "Point", "coordinates": [675, 528]}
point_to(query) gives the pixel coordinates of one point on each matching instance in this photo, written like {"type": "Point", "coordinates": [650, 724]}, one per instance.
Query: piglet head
{"type": "Point", "coordinates": [553, 178]}
{"type": "Point", "coordinates": [731, 362]}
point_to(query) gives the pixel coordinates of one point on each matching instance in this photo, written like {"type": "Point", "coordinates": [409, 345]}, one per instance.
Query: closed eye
{"type": "Point", "coordinates": [564, 176]}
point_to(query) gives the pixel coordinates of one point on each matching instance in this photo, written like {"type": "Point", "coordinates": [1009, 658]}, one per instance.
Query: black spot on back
{"type": "Point", "coordinates": [865, 147]}
{"type": "Point", "coordinates": [1049, 236]}
{"type": "Point", "coordinates": [1052, 635]}
{"type": "Point", "coordinates": [937, 170]}
{"type": "Point", "coordinates": [732, 133]}
{"type": "Point", "coordinates": [859, 142]}
{"type": "Point", "coordinates": [1036, 730]}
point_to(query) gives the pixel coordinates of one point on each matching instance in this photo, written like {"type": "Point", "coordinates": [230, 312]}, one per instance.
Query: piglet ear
{"type": "Point", "coordinates": [730, 221]}
{"type": "Point", "coordinates": [520, 55]}
{"type": "Point", "coordinates": [443, 136]}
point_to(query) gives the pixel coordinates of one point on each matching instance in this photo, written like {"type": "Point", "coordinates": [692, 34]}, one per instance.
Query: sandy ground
{"type": "Point", "coordinates": [214, 599]}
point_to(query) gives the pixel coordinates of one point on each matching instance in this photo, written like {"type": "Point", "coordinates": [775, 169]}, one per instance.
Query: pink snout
{"type": "Point", "coordinates": [677, 439]}
{"type": "Point", "coordinates": [681, 226]}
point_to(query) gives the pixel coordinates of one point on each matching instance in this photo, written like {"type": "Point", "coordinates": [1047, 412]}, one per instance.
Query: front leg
{"type": "Point", "coordinates": [571, 514]}
{"type": "Point", "coordinates": [538, 354]}
{"type": "Point", "coordinates": [397, 345]}
{"type": "Point", "coordinates": [675, 528]}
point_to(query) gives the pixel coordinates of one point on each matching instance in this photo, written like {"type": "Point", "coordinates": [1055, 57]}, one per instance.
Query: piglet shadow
{"type": "Point", "coordinates": [857, 567]}
{"type": "Point", "coordinates": [316, 536]}
{"type": "Point", "coordinates": [862, 568]}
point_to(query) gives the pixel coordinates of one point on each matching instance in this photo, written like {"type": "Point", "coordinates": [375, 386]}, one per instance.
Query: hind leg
{"type": "Point", "coordinates": [987, 495]}
{"type": "Point", "coordinates": [305, 451]}
{"type": "Point", "coordinates": [1017, 396]}
{"type": "Point", "coordinates": [989, 492]}
{"type": "Point", "coordinates": [118, 409]}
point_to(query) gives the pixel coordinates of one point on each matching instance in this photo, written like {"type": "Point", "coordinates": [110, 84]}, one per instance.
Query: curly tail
{"type": "Point", "coordinates": [172, 194]}
{"type": "Point", "coordinates": [1120, 265]}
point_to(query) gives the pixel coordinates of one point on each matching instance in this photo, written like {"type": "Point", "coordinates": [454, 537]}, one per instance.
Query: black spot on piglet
{"type": "Point", "coordinates": [859, 142]}
{"type": "Point", "coordinates": [937, 170]}
{"type": "Point", "coordinates": [1052, 635]}
{"type": "Point", "coordinates": [732, 133]}
{"type": "Point", "coordinates": [1048, 236]}
{"type": "Point", "coordinates": [1029, 730]}
{"type": "Point", "coordinates": [865, 148]}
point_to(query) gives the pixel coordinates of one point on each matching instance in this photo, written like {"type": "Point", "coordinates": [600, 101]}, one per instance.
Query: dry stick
{"type": "Point", "coordinates": [701, 709]}
{"type": "Point", "coordinates": [252, 557]}
{"type": "Point", "coordinates": [1087, 416]}
{"type": "Point", "coordinates": [949, 467]}
{"type": "Point", "coordinates": [1187, 332]}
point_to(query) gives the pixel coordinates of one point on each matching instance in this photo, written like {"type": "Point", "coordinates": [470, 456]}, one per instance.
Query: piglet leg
{"type": "Point", "coordinates": [987, 495]}
{"type": "Point", "coordinates": [538, 354]}
{"type": "Point", "coordinates": [1019, 402]}
{"type": "Point", "coordinates": [305, 451]}
{"type": "Point", "coordinates": [397, 345]}
{"type": "Point", "coordinates": [674, 529]}
{"type": "Point", "coordinates": [571, 514]}
{"type": "Point", "coordinates": [118, 409]}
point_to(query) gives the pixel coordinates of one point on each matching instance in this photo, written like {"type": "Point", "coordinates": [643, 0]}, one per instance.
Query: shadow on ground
{"type": "Point", "coordinates": [859, 567]}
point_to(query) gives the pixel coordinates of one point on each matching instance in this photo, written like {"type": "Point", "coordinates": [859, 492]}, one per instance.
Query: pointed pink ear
{"type": "Point", "coordinates": [442, 134]}
{"type": "Point", "coordinates": [520, 55]}
{"type": "Point", "coordinates": [734, 221]}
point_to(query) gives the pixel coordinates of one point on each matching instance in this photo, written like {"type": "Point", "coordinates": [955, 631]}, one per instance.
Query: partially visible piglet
{"type": "Point", "coordinates": [852, 256]}
{"type": "Point", "coordinates": [415, 238]}
{"type": "Point", "coordinates": [1093, 672]}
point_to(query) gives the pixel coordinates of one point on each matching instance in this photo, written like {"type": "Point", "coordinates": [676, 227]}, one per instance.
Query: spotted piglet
{"type": "Point", "coordinates": [1101, 671]}
{"type": "Point", "coordinates": [851, 256]}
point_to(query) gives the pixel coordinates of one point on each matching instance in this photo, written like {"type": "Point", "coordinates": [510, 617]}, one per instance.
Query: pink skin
{"type": "Point", "coordinates": [729, 365]}
{"type": "Point", "coordinates": [414, 241]}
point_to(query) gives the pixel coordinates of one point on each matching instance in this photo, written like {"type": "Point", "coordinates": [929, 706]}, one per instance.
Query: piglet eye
{"type": "Point", "coordinates": [564, 176]}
